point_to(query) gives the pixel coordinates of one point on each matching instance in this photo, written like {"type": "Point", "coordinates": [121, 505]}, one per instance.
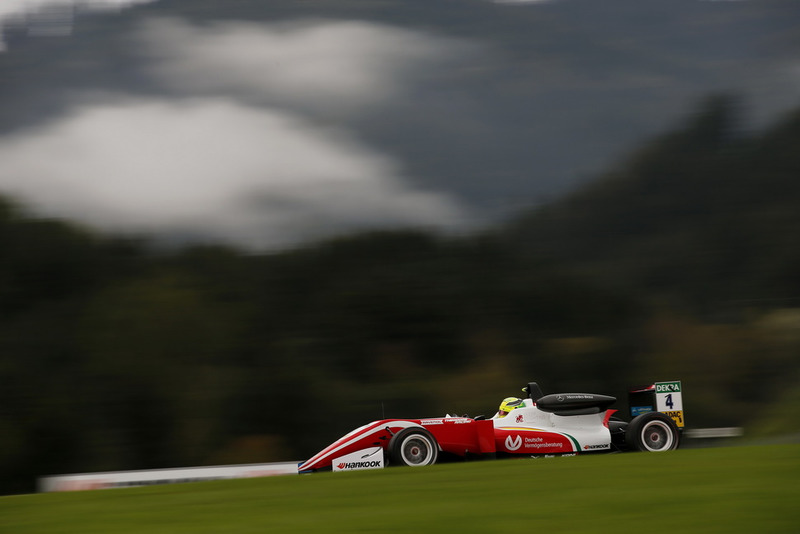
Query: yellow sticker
{"type": "Point", "coordinates": [677, 417]}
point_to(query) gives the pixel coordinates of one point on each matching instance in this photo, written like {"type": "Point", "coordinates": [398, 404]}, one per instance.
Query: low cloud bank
{"type": "Point", "coordinates": [213, 168]}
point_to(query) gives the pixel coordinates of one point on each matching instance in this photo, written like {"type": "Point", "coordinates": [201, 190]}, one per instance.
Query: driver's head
{"type": "Point", "coordinates": [508, 404]}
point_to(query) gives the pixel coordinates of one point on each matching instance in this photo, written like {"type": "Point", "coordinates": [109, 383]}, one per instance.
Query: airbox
{"type": "Point", "coordinates": [575, 403]}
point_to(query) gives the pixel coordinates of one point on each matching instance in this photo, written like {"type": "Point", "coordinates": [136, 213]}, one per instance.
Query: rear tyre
{"type": "Point", "coordinates": [413, 447]}
{"type": "Point", "coordinates": [652, 432]}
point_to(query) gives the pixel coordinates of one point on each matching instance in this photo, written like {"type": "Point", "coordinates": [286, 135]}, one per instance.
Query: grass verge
{"type": "Point", "coordinates": [735, 489]}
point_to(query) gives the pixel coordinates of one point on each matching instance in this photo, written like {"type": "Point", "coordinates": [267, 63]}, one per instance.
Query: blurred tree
{"type": "Point", "coordinates": [157, 351]}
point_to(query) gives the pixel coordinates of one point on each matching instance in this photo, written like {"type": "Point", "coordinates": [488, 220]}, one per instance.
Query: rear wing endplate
{"type": "Point", "coordinates": [664, 397]}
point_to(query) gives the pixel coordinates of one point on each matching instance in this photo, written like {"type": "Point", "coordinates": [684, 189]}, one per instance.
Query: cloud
{"type": "Point", "coordinates": [241, 149]}
{"type": "Point", "coordinates": [318, 66]}
{"type": "Point", "coordinates": [211, 168]}
{"type": "Point", "coordinates": [52, 17]}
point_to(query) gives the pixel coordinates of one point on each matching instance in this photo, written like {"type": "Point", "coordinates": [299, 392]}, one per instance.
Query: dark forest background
{"type": "Point", "coordinates": [681, 262]}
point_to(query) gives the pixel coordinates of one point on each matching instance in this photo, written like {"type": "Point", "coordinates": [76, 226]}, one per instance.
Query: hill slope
{"type": "Point", "coordinates": [705, 214]}
{"type": "Point", "coordinates": [743, 489]}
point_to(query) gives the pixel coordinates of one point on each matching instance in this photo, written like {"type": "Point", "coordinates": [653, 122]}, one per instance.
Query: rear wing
{"type": "Point", "coordinates": [664, 397]}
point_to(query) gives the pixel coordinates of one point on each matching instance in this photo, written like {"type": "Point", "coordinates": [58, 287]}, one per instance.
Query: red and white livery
{"type": "Point", "coordinates": [556, 424]}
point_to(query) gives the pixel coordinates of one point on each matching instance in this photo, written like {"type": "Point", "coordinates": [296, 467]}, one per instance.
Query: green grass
{"type": "Point", "coordinates": [735, 489]}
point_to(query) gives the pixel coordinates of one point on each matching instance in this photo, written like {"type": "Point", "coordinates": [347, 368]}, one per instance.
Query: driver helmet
{"type": "Point", "coordinates": [508, 404]}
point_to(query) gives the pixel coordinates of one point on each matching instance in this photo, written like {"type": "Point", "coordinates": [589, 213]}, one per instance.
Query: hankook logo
{"type": "Point", "coordinates": [358, 465]}
{"type": "Point", "coordinates": [513, 444]}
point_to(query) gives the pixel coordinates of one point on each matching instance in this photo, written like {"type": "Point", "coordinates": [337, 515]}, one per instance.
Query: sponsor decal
{"type": "Point", "coordinates": [341, 466]}
{"type": "Point", "coordinates": [371, 458]}
{"type": "Point", "coordinates": [543, 444]}
{"type": "Point", "coordinates": [533, 444]}
{"type": "Point", "coordinates": [432, 421]}
{"type": "Point", "coordinates": [462, 421]}
{"type": "Point", "coordinates": [639, 410]}
{"type": "Point", "coordinates": [677, 417]}
{"type": "Point", "coordinates": [669, 397]}
{"type": "Point", "coordinates": [520, 418]}
{"type": "Point", "coordinates": [596, 447]}
{"type": "Point", "coordinates": [574, 396]}
{"type": "Point", "coordinates": [668, 387]}
{"type": "Point", "coordinates": [513, 444]}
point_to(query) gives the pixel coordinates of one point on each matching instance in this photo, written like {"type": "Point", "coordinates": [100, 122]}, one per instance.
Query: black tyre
{"type": "Point", "coordinates": [413, 446]}
{"type": "Point", "coordinates": [652, 432]}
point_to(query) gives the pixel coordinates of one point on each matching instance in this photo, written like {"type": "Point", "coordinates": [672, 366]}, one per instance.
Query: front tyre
{"type": "Point", "coordinates": [414, 447]}
{"type": "Point", "coordinates": [652, 432]}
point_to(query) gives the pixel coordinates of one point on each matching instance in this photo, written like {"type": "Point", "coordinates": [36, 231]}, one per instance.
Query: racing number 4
{"type": "Point", "coordinates": [668, 401]}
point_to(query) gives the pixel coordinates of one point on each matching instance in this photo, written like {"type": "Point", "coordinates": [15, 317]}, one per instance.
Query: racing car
{"type": "Point", "coordinates": [559, 424]}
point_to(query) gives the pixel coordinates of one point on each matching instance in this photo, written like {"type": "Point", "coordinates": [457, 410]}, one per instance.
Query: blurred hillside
{"type": "Point", "coordinates": [706, 217]}
{"type": "Point", "coordinates": [680, 263]}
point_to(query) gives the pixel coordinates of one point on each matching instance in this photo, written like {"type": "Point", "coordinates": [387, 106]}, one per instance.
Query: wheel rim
{"type": "Point", "coordinates": [657, 436]}
{"type": "Point", "coordinates": [416, 450]}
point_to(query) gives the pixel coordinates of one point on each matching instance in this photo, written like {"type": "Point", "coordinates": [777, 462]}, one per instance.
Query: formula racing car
{"type": "Point", "coordinates": [559, 424]}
